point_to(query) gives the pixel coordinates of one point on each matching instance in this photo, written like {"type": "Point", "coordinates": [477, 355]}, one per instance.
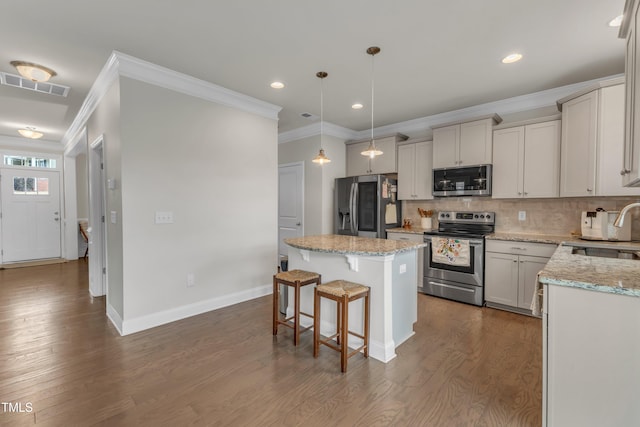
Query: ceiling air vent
{"type": "Point", "coordinates": [42, 87]}
{"type": "Point", "coordinates": [309, 116]}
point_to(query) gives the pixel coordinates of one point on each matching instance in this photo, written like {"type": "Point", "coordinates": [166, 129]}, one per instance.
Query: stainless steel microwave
{"type": "Point", "coordinates": [462, 181]}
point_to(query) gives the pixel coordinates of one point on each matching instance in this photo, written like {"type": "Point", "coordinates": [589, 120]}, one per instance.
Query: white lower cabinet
{"type": "Point", "coordinates": [412, 237]}
{"type": "Point", "coordinates": [591, 348]}
{"type": "Point", "coordinates": [511, 270]}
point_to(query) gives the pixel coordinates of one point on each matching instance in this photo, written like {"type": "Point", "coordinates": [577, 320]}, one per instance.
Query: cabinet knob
{"type": "Point", "coordinates": [525, 193]}
{"type": "Point", "coordinates": [519, 193]}
{"type": "Point", "coordinates": [589, 190]}
{"type": "Point", "coordinates": [624, 172]}
{"type": "Point", "coordinates": [515, 260]}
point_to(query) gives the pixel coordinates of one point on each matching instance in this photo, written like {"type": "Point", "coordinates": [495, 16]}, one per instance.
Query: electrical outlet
{"type": "Point", "coordinates": [403, 268]}
{"type": "Point", "coordinates": [522, 216]}
{"type": "Point", "coordinates": [191, 280]}
{"type": "Point", "coordinates": [164, 217]}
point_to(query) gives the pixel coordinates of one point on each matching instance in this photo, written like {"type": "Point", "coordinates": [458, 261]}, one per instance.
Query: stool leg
{"type": "Point", "coordinates": [275, 306]}
{"type": "Point", "coordinates": [316, 323]}
{"type": "Point", "coordinates": [344, 334]}
{"type": "Point", "coordinates": [296, 319]}
{"type": "Point", "coordinates": [338, 323]}
{"type": "Point", "coordinates": [366, 325]}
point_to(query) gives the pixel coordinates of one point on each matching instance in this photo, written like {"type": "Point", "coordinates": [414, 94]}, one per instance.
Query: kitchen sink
{"type": "Point", "coordinates": [606, 252]}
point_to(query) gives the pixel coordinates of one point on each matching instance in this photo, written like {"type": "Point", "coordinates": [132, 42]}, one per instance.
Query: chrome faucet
{"type": "Point", "coordinates": [620, 219]}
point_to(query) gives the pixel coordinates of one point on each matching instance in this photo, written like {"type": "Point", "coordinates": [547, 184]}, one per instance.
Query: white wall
{"type": "Point", "coordinates": [82, 186]}
{"type": "Point", "coordinates": [215, 168]}
{"type": "Point", "coordinates": [105, 121]}
{"type": "Point", "coordinates": [318, 180]}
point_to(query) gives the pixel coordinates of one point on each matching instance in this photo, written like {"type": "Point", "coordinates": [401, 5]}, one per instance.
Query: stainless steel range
{"type": "Point", "coordinates": [454, 256]}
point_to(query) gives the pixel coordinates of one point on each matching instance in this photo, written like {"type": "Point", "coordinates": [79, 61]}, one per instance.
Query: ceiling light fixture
{"type": "Point", "coordinates": [33, 72]}
{"type": "Point", "coordinates": [372, 151]}
{"type": "Point", "coordinates": [510, 59]}
{"type": "Point", "coordinates": [30, 132]}
{"type": "Point", "coordinates": [277, 85]}
{"type": "Point", "coordinates": [357, 106]}
{"type": "Point", "coordinates": [321, 158]}
{"type": "Point", "coordinates": [616, 22]}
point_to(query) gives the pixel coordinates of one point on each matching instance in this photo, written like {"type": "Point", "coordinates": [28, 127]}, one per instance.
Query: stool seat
{"type": "Point", "coordinates": [297, 275]}
{"type": "Point", "coordinates": [340, 288]}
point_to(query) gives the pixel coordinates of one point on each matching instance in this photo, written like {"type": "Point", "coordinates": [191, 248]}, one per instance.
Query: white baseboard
{"type": "Point", "coordinates": [142, 323]}
{"type": "Point", "coordinates": [115, 318]}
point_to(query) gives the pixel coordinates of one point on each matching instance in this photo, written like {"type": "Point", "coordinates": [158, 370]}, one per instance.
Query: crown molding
{"type": "Point", "coordinates": [123, 65]}
{"type": "Point", "coordinates": [502, 107]}
{"type": "Point", "coordinates": [314, 130]}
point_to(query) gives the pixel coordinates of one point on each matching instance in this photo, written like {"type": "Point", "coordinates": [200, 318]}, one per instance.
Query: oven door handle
{"type": "Point", "coordinates": [458, 288]}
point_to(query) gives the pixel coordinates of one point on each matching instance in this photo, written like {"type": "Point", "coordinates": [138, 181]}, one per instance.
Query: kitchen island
{"type": "Point", "coordinates": [591, 335]}
{"type": "Point", "coordinates": [388, 267]}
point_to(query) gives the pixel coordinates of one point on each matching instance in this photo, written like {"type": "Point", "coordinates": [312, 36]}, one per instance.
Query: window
{"type": "Point", "coordinates": [30, 186]}
{"type": "Point", "coordinates": [32, 162]}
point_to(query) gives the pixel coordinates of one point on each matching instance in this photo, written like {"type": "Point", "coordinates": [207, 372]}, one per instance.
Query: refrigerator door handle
{"type": "Point", "coordinates": [354, 212]}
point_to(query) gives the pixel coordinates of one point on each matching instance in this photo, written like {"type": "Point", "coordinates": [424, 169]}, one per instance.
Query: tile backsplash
{"type": "Point", "coordinates": [544, 216]}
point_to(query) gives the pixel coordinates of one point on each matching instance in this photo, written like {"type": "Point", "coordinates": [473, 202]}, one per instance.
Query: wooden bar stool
{"type": "Point", "coordinates": [295, 279]}
{"type": "Point", "coordinates": [342, 292]}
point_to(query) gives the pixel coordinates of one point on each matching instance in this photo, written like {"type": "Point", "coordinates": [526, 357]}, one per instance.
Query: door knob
{"type": "Point", "coordinates": [56, 219]}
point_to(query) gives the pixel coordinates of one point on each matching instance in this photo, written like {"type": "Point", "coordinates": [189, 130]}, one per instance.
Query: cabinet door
{"type": "Point", "coordinates": [476, 143]}
{"type": "Point", "coordinates": [632, 78]}
{"type": "Point", "coordinates": [508, 163]}
{"type": "Point", "coordinates": [611, 143]}
{"type": "Point", "coordinates": [529, 266]}
{"type": "Point", "coordinates": [406, 172]}
{"type": "Point", "coordinates": [357, 164]}
{"type": "Point", "coordinates": [578, 159]}
{"type": "Point", "coordinates": [418, 238]}
{"type": "Point", "coordinates": [386, 163]}
{"type": "Point", "coordinates": [501, 278]}
{"type": "Point", "coordinates": [424, 170]}
{"type": "Point", "coordinates": [628, 173]}
{"type": "Point", "coordinates": [445, 146]}
{"type": "Point", "coordinates": [542, 159]}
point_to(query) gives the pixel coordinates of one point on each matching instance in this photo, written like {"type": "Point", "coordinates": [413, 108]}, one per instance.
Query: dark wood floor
{"type": "Point", "coordinates": [466, 366]}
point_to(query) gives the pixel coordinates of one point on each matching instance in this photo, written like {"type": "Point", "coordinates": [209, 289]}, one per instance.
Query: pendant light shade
{"type": "Point", "coordinates": [321, 158]}
{"type": "Point", "coordinates": [372, 151]}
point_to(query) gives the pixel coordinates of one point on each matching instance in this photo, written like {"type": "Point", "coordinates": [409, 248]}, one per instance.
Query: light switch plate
{"type": "Point", "coordinates": [114, 217]}
{"type": "Point", "coordinates": [522, 215]}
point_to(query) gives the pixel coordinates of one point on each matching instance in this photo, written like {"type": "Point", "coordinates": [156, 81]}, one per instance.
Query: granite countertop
{"type": "Point", "coordinates": [533, 238]}
{"type": "Point", "coordinates": [610, 275]}
{"type": "Point", "coordinates": [412, 230]}
{"type": "Point", "coordinates": [332, 243]}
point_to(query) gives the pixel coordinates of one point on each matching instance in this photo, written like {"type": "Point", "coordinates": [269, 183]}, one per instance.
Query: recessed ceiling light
{"type": "Point", "coordinates": [30, 132]}
{"type": "Point", "coordinates": [357, 106]}
{"type": "Point", "coordinates": [509, 59]}
{"type": "Point", "coordinates": [33, 72]}
{"type": "Point", "coordinates": [616, 22]}
{"type": "Point", "coordinates": [277, 85]}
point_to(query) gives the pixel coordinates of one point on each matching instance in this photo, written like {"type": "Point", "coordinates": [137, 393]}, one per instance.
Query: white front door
{"type": "Point", "coordinates": [30, 214]}
{"type": "Point", "coordinates": [290, 203]}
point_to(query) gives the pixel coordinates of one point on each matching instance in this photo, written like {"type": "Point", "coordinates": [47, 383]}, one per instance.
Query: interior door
{"type": "Point", "coordinates": [290, 204]}
{"type": "Point", "coordinates": [30, 214]}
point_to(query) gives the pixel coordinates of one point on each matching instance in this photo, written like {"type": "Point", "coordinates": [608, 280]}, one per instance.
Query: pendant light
{"type": "Point", "coordinates": [372, 151]}
{"type": "Point", "coordinates": [321, 158]}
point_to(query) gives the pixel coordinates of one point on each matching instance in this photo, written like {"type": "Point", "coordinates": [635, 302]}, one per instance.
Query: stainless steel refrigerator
{"type": "Point", "coordinates": [366, 206]}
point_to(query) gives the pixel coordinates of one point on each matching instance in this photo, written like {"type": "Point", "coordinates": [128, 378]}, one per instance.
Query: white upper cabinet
{"type": "Point", "coordinates": [526, 161]}
{"type": "Point", "coordinates": [630, 170]}
{"type": "Point", "coordinates": [593, 142]}
{"type": "Point", "coordinates": [464, 144]}
{"type": "Point", "coordinates": [415, 174]}
{"type": "Point", "coordinates": [357, 164]}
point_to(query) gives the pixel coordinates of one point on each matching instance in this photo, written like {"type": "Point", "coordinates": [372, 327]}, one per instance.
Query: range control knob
{"type": "Point", "coordinates": [475, 216]}
{"type": "Point", "coordinates": [488, 216]}
{"type": "Point", "coordinates": [447, 215]}
{"type": "Point", "coordinates": [482, 216]}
